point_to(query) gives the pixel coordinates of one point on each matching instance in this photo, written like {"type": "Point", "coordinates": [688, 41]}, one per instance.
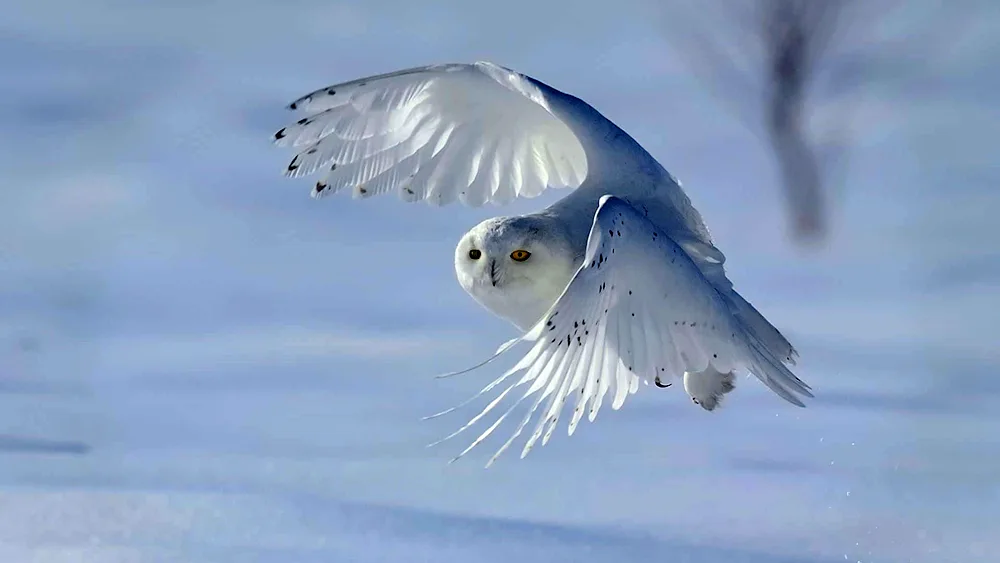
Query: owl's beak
{"type": "Point", "coordinates": [493, 272]}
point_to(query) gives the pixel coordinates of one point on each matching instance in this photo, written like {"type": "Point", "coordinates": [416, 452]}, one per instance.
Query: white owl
{"type": "Point", "coordinates": [616, 283]}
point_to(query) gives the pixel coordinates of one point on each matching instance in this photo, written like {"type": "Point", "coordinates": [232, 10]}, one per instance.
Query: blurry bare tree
{"type": "Point", "coordinates": [769, 53]}
{"type": "Point", "coordinates": [794, 33]}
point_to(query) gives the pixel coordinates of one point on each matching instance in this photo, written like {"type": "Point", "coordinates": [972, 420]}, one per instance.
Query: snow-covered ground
{"type": "Point", "coordinates": [198, 363]}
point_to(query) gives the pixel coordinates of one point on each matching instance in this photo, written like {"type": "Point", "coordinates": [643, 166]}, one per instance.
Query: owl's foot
{"type": "Point", "coordinates": [707, 388]}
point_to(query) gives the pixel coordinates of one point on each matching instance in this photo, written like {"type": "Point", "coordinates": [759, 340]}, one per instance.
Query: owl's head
{"type": "Point", "coordinates": [515, 266]}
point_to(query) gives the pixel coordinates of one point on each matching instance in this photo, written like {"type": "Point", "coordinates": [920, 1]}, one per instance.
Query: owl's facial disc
{"type": "Point", "coordinates": [499, 253]}
{"type": "Point", "coordinates": [496, 276]}
{"type": "Point", "coordinates": [514, 266]}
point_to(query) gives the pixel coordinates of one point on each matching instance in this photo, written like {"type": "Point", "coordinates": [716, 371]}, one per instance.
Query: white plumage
{"type": "Point", "coordinates": [617, 282]}
{"type": "Point", "coordinates": [476, 133]}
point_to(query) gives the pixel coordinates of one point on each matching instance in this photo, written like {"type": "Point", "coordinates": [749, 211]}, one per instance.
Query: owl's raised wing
{"type": "Point", "coordinates": [637, 309]}
{"type": "Point", "coordinates": [474, 132]}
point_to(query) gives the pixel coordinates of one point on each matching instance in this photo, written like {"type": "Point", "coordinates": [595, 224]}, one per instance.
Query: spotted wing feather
{"type": "Point", "coordinates": [473, 132]}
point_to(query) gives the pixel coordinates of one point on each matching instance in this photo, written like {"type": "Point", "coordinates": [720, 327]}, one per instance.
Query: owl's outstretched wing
{"type": "Point", "coordinates": [473, 132]}
{"type": "Point", "coordinates": [637, 309]}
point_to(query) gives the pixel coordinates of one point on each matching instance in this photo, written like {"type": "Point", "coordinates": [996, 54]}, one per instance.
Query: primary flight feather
{"type": "Point", "coordinates": [616, 283]}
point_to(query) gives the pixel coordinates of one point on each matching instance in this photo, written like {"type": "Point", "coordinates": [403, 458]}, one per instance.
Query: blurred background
{"type": "Point", "coordinates": [199, 363]}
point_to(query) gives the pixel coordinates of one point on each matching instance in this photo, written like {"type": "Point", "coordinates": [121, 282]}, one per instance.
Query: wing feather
{"type": "Point", "coordinates": [473, 132]}
{"type": "Point", "coordinates": [594, 368]}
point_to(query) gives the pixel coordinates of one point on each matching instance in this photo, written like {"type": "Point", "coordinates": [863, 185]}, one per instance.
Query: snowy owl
{"type": "Point", "coordinates": [616, 283]}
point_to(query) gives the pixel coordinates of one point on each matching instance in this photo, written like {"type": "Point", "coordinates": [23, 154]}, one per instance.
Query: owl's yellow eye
{"type": "Point", "coordinates": [475, 254]}
{"type": "Point", "coordinates": [519, 255]}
